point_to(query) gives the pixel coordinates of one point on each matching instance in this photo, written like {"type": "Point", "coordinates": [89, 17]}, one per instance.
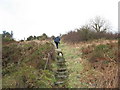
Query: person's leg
{"type": "Point", "coordinates": [56, 44]}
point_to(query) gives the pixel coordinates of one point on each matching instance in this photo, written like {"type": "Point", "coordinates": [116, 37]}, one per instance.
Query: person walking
{"type": "Point", "coordinates": [57, 41]}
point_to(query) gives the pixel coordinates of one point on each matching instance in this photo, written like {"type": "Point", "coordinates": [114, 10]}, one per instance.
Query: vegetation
{"type": "Point", "coordinates": [24, 65]}
{"type": "Point", "coordinates": [72, 57]}
{"type": "Point", "coordinates": [92, 64]}
{"type": "Point", "coordinates": [97, 29]}
{"type": "Point", "coordinates": [7, 37]}
{"type": "Point", "coordinates": [102, 58]}
{"type": "Point", "coordinates": [91, 59]}
{"type": "Point", "coordinates": [42, 37]}
{"type": "Point", "coordinates": [99, 24]}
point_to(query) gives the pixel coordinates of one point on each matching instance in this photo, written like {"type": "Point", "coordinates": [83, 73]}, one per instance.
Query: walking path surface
{"type": "Point", "coordinates": [81, 73]}
{"type": "Point", "coordinates": [73, 61]}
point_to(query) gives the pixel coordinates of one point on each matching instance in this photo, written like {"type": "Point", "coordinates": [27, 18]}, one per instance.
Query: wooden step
{"type": "Point", "coordinates": [61, 76]}
{"type": "Point", "coordinates": [64, 72]}
{"type": "Point", "coordinates": [59, 82]}
{"type": "Point", "coordinates": [61, 73]}
{"type": "Point", "coordinates": [61, 69]}
{"type": "Point", "coordinates": [58, 50]}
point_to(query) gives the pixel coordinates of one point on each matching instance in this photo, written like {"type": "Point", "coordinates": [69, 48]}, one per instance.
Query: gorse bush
{"type": "Point", "coordinates": [24, 64]}
{"type": "Point", "coordinates": [15, 52]}
{"type": "Point", "coordinates": [103, 59]}
{"type": "Point", "coordinates": [98, 53]}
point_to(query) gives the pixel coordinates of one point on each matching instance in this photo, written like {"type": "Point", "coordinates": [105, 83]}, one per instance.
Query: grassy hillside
{"type": "Point", "coordinates": [92, 64]}
{"type": "Point", "coordinates": [103, 61]}
{"type": "Point", "coordinates": [28, 65]}
{"type": "Point", "coordinates": [31, 64]}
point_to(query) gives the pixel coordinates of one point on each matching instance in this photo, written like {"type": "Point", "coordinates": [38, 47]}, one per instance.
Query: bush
{"type": "Point", "coordinates": [86, 34]}
{"type": "Point", "coordinates": [42, 37]}
{"type": "Point", "coordinates": [103, 61]}
{"type": "Point", "coordinates": [29, 77]}
{"type": "Point", "coordinates": [24, 64]}
{"type": "Point", "coordinates": [98, 53]}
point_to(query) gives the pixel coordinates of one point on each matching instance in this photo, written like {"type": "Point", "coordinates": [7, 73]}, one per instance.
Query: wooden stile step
{"type": "Point", "coordinates": [59, 82]}
{"type": "Point", "coordinates": [61, 69]}
{"type": "Point", "coordinates": [61, 76]}
{"type": "Point", "coordinates": [64, 72]}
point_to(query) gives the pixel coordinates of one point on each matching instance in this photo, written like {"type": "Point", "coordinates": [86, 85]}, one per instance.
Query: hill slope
{"type": "Point", "coordinates": [92, 64]}
{"type": "Point", "coordinates": [31, 64]}
{"type": "Point", "coordinates": [25, 65]}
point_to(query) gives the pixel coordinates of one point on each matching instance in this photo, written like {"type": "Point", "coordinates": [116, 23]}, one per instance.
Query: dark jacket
{"type": "Point", "coordinates": [57, 39]}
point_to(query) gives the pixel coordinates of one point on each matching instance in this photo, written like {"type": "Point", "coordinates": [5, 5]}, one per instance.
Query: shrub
{"type": "Point", "coordinates": [103, 70]}
{"type": "Point", "coordinates": [29, 77]}
{"type": "Point", "coordinates": [86, 34]}
{"type": "Point", "coordinates": [25, 62]}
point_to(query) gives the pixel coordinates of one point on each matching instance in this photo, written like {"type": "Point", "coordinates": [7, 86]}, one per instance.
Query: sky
{"type": "Point", "coordinates": [35, 17]}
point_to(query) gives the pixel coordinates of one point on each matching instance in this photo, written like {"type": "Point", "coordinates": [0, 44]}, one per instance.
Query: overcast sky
{"type": "Point", "coordinates": [34, 17]}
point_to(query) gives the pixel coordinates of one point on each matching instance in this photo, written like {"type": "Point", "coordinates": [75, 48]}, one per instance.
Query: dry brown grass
{"type": "Point", "coordinates": [94, 43]}
{"type": "Point", "coordinates": [102, 70]}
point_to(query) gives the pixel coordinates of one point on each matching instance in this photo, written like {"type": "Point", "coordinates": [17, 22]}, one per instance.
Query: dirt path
{"type": "Point", "coordinates": [73, 62]}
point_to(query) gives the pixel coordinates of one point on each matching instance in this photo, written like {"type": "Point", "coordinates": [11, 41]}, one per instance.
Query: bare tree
{"type": "Point", "coordinates": [99, 24]}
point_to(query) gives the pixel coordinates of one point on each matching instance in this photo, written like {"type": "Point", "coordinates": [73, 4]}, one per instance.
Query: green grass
{"type": "Point", "coordinates": [27, 76]}
{"type": "Point", "coordinates": [72, 57]}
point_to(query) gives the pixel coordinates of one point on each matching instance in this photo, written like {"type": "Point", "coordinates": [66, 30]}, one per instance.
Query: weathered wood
{"type": "Point", "coordinates": [61, 69]}
{"type": "Point", "coordinates": [59, 82]}
{"type": "Point", "coordinates": [62, 73]}
{"type": "Point", "coordinates": [58, 50]}
{"type": "Point", "coordinates": [61, 76]}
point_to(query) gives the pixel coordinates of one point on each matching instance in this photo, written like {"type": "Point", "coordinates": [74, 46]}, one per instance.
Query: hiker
{"type": "Point", "coordinates": [57, 41]}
